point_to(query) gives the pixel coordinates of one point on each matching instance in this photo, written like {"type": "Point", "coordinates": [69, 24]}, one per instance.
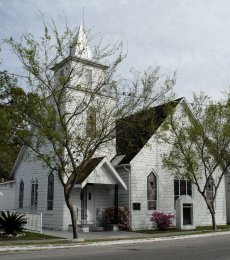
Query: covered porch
{"type": "Point", "coordinates": [97, 193]}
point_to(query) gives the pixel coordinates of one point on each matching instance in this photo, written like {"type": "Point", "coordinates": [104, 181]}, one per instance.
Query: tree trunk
{"type": "Point", "coordinates": [213, 220]}
{"type": "Point", "coordinates": [74, 216]}
{"type": "Point", "coordinates": [213, 215]}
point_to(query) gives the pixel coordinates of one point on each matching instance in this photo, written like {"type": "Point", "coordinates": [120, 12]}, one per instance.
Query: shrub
{"type": "Point", "coordinates": [123, 217]}
{"type": "Point", "coordinates": [12, 223]}
{"type": "Point", "coordinates": [162, 221]}
{"type": "Point", "coordinates": [109, 215]}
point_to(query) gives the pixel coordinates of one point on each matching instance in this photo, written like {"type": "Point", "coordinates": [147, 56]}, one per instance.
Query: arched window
{"type": "Point", "coordinates": [209, 190]}
{"type": "Point", "coordinates": [21, 194]}
{"type": "Point", "coordinates": [88, 77]}
{"type": "Point", "coordinates": [34, 194]}
{"type": "Point", "coordinates": [91, 122]}
{"type": "Point", "coordinates": [152, 191]}
{"type": "Point", "coordinates": [50, 191]}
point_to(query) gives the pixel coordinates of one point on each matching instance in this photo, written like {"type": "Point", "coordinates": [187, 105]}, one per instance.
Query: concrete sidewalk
{"type": "Point", "coordinates": [97, 235]}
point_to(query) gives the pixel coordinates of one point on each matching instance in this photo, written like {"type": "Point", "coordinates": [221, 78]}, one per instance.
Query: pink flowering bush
{"type": "Point", "coordinates": [123, 217]}
{"type": "Point", "coordinates": [162, 221]}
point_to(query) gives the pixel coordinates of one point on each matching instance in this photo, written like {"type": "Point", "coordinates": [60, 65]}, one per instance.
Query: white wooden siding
{"type": "Point", "coordinates": [7, 196]}
{"type": "Point", "coordinates": [123, 195]}
{"type": "Point", "coordinates": [30, 168]}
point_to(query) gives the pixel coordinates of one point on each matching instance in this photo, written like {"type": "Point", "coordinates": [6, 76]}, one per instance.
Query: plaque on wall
{"type": "Point", "coordinates": [136, 206]}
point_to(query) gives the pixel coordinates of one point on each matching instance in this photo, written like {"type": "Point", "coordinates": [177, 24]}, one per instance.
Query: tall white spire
{"type": "Point", "coordinates": [80, 47]}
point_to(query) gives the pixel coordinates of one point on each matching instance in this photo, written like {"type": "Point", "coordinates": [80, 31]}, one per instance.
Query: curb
{"type": "Point", "coordinates": [108, 243]}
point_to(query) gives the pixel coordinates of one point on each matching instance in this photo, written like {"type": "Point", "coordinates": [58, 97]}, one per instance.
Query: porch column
{"type": "Point", "coordinates": [84, 206]}
{"type": "Point", "coordinates": [116, 204]}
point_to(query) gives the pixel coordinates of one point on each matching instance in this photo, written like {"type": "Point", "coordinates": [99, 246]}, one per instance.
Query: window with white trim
{"type": "Point", "coordinates": [34, 194]}
{"type": "Point", "coordinates": [182, 187]}
{"type": "Point", "coordinates": [88, 77]}
{"type": "Point", "coordinates": [50, 191]}
{"type": "Point", "coordinates": [91, 122]}
{"type": "Point", "coordinates": [21, 194]}
{"type": "Point", "coordinates": [152, 191]}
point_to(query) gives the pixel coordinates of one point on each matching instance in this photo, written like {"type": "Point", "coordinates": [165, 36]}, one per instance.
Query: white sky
{"type": "Point", "coordinates": [189, 36]}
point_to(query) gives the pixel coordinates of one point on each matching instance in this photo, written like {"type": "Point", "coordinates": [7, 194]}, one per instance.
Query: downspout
{"type": "Point", "coordinates": [130, 194]}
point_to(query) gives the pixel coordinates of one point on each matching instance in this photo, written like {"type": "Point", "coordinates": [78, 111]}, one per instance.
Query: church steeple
{"type": "Point", "coordinates": [80, 48]}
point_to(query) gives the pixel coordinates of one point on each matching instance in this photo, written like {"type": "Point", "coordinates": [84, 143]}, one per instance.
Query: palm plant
{"type": "Point", "coordinates": [12, 223]}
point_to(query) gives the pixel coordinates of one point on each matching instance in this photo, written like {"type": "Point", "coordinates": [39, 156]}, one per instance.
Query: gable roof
{"type": "Point", "coordinates": [89, 167]}
{"type": "Point", "coordinates": [100, 171]}
{"type": "Point", "coordinates": [133, 132]}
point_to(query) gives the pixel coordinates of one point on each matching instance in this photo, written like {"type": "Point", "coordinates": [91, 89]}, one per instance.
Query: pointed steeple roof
{"type": "Point", "coordinates": [80, 52]}
{"type": "Point", "coordinates": [80, 47]}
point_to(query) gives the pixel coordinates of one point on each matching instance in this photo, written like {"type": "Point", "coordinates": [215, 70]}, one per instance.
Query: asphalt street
{"type": "Point", "coordinates": [205, 248]}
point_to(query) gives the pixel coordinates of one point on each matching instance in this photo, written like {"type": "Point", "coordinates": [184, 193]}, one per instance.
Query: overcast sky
{"type": "Point", "coordinates": [189, 36]}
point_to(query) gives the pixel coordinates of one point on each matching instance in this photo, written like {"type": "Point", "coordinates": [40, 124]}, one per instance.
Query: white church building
{"type": "Point", "coordinates": [130, 175]}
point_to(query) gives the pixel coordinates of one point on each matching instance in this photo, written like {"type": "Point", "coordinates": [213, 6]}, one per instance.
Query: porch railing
{"type": "Point", "coordinates": [34, 222]}
{"type": "Point", "coordinates": [80, 215]}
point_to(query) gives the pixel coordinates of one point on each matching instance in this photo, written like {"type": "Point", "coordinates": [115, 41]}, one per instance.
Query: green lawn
{"type": "Point", "coordinates": [28, 236]}
{"type": "Point", "coordinates": [153, 231]}
{"type": "Point", "coordinates": [210, 227]}
{"type": "Point", "coordinates": [199, 228]}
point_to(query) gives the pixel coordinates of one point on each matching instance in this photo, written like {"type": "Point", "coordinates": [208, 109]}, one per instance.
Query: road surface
{"type": "Point", "coordinates": [204, 248]}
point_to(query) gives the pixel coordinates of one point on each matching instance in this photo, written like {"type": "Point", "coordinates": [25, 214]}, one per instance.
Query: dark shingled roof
{"type": "Point", "coordinates": [133, 132]}
{"type": "Point", "coordinates": [89, 167]}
